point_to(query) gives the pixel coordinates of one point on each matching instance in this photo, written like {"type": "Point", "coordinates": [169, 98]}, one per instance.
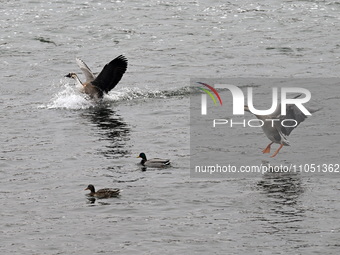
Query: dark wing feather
{"type": "Point", "coordinates": [292, 112]}
{"type": "Point", "coordinates": [111, 74]}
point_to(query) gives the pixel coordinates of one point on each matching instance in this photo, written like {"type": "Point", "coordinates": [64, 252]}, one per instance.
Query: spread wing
{"type": "Point", "coordinates": [292, 112]}
{"type": "Point", "coordinates": [86, 70]}
{"type": "Point", "coordinates": [111, 74]}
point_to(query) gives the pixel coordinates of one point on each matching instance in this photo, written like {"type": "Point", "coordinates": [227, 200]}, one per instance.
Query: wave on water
{"type": "Point", "coordinates": [71, 98]}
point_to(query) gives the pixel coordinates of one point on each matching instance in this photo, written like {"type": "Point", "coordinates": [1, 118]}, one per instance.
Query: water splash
{"type": "Point", "coordinates": [125, 94]}
{"type": "Point", "coordinates": [71, 98]}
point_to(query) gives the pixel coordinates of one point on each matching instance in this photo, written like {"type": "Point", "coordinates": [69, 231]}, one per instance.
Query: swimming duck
{"type": "Point", "coordinates": [276, 132]}
{"type": "Point", "coordinates": [155, 162]}
{"type": "Point", "coordinates": [102, 193]}
{"type": "Point", "coordinates": [108, 78]}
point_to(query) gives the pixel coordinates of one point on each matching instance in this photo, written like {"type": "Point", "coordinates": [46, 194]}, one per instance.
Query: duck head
{"type": "Point", "coordinates": [91, 188]}
{"type": "Point", "coordinates": [142, 155]}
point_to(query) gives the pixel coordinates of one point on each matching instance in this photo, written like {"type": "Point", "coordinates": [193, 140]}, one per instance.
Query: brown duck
{"type": "Point", "coordinates": [107, 79]}
{"type": "Point", "coordinates": [102, 193]}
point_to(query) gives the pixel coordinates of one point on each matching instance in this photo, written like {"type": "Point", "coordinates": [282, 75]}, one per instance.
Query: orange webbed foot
{"type": "Point", "coordinates": [277, 151]}
{"type": "Point", "coordinates": [267, 149]}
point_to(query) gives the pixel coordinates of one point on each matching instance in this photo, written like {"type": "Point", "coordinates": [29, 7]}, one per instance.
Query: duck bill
{"type": "Point", "coordinates": [86, 189]}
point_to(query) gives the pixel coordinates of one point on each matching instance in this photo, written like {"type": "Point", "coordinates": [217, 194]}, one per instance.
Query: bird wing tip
{"type": "Point", "coordinates": [122, 57]}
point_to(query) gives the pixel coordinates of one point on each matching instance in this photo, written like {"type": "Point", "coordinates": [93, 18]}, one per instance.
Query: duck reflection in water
{"type": "Point", "coordinates": [92, 201]}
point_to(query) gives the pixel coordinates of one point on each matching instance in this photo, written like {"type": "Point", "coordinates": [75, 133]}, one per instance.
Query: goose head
{"type": "Point", "coordinates": [75, 77]}
{"type": "Point", "coordinates": [71, 75]}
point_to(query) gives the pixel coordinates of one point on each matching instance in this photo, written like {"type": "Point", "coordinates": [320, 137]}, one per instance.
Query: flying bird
{"type": "Point", "coordinates": [107, 79]}
{"type": "Point", "coordinates": [275, 131]}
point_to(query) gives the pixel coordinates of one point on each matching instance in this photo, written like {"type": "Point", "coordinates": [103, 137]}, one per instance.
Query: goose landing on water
{"type": "Point", "coordinates": [276, 132]}
{"type": "Point", "coordinates": [108, 78]}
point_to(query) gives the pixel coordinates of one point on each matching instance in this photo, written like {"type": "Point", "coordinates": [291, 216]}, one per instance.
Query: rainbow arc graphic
{"type": "Point", "coordinates": [204, 99]}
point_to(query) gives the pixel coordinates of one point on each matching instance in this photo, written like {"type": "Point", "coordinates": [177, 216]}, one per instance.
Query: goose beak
{"type": "Point", "coordinates": [68, 75]}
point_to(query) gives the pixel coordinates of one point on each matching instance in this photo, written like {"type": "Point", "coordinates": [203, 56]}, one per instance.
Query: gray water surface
{"type": "Point", "coordinates": [54, 142]}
